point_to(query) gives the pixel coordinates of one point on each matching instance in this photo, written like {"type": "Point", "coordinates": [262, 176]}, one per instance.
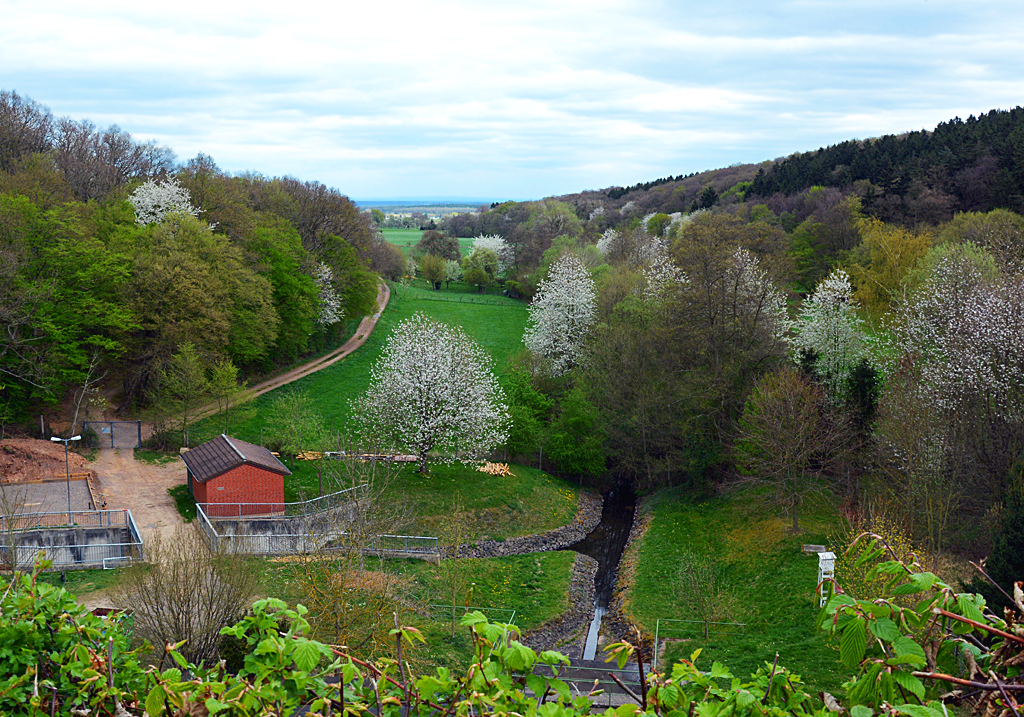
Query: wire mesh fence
{"type": "Point", "coordinates": [666, 629]}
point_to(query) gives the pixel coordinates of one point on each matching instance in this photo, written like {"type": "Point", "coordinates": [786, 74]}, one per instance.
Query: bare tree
{"type": "Point", "coordinates": [188, 591]}
{"type": "Point", "coordinates": [12, 503]}
{"type": "Point", "coordinates": [789, 440]}
{"type": "Point", "coordinates": [451, 567]}
{"type": "Point", "coordinates": [702, 589]}
{"type": "Point", "coordinates": [349, 603]}
{"type": "Point", "coordinates": [89, 387]}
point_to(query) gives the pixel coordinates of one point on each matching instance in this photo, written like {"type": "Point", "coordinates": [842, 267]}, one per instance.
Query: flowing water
{"type": "Point", "coordinates": [605, 544]}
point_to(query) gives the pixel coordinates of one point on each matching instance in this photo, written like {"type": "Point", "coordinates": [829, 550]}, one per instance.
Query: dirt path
{"type": "Point", "coordinates": [124, 482]}
{"type": "Point", "coordinates": [362, 333]}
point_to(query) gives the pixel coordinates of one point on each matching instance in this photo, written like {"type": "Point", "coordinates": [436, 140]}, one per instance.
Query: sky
{"type": "Point", "coordinates": [387, 99]}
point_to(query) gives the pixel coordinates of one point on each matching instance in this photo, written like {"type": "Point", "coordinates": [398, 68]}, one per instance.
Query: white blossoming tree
{"type": "Point", "coordinates": [660, 278]}
{"type": "Point", "coordinates": [497, 244]}
{"type": "Point", "coordinates": [154, 200]}
{"type": "Point", "coordinates": [830, 332]}
{"type": "Point", "coordinates": [331, 310]}
{"type": "Point", "coordinates": [433, 390]}
{"type": "Point", "coordinates": [562, 314]}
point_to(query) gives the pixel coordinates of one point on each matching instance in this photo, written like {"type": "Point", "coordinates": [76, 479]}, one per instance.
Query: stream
{"type": "Point", "coordinates": [605, 544]}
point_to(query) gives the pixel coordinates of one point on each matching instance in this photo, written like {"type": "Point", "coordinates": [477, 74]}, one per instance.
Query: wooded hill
{"type": "Point", "coordinates": [88, 289]}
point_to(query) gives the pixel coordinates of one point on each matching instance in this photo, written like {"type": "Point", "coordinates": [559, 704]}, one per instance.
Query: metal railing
{"type": "Point", "coordinates": [58, 539]}
{"type": "Point", "coordinates": [78, 519]}
{"type": "Point", "coordinates": [689, 626]}
{"type": "Point", "coordinates": [275, 510]}
{"type": "Point", "coordinates": [303, 542]}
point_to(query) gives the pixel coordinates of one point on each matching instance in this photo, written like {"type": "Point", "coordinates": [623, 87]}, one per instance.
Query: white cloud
{"type": "Point", "coordinates": [509, 99]}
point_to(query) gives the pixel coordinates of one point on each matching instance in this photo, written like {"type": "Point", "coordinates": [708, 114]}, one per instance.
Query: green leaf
{"type": "Point", "coordinates": [718, 670]}
{"type": "Point", "coordinates": [919, 582]}
{"type": "Point", "coordinates": [969, 609]}
{"type": "Point", "coordinates": [215, 705]}
{"type": "Point", "coordinates": [861, 711]}
{"type": "Point", "coordinates": [910, 683]}
{"type": "Point", "coordinates": [853, 643]}
{"type": "Point", "coordinates": [155, 701]}
{"type": "Point", "coordinates": [906, 649]}
{"type": "Point", "coordinates": [307, 655]}
{"type": "Point", "coordinates": [884, 629]}
{"type": "Point", "coordinates": [917, 711]}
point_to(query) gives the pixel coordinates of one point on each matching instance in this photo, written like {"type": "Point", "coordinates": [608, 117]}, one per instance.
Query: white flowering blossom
{"type": "Point", "coordinates": [627, 208]}
{"type": "Point", "coordinates": [561, 314]}
{"type": "Point", "coordinates": [411, 266]}
{"type": "Point", "coordinates": [648, 249]}
{"type": "Point", "coordinates": [153, 200]}
{"type": "Point", "coordinates": [433, 390]}
{"type": "Point", "coordinates": [608, 241]}
{"type": "Point", "coordinates": [495, 242]}
{"type": "Point", "coordinates": [966, 335]}
{"type": "Point", "coordinates": [661, 277]}
{"type": "Point", "coordinates": [331, 310]}
{"type": "Point", "coordinates": [756, 295]}
{"type": "Point", "coordinates": [598, 212]}
{"type": "Point", "coordinates": [452, 270]}
{"type": "Point", "coordinates": [830, 330]}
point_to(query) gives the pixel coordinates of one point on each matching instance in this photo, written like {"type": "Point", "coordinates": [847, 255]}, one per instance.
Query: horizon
{"type": "Point", "coordinates": [534, 99]}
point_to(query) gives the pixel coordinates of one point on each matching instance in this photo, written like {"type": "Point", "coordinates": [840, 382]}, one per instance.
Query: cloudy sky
{"type": "Point", "coordinates": [509, 100]}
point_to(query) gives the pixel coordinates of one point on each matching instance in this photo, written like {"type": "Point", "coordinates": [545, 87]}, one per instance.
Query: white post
{"type": "Point", "coordinates": [826, 571]}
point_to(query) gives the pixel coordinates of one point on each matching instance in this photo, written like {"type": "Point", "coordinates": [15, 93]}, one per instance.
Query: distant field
{"type": "Point", "coordinates": [407, 238]}
{"type": "Point", "coordinates": [497, 326]}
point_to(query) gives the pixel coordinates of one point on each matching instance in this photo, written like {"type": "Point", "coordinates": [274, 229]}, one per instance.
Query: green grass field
{"type": "Point", "coordinates": [772, 582]}
{"type": "Point", "coordinates": [497, 326]}
{"type": "Point", "coordinates": [495, 508]}
{"type": "Point", "coordinates": [405, 239]}
{"type": "Point", "coordinates": [535, 586]}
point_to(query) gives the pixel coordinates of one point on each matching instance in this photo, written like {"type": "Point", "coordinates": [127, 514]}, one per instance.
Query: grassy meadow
{"type": "Point", "coordinates": [771, 583]}
{"type": "Point", "coordinates": [405, 239]}
{"type": "Point", "coordinates": [535, 586]}
{"type": "Point", "coordinates": [496, 323]}
{"type": "Point", "coordinates": [494, 508]}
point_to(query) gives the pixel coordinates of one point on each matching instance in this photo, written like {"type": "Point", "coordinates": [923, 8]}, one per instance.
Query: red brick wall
{"type": "Point", "coordinates": [245, 484]}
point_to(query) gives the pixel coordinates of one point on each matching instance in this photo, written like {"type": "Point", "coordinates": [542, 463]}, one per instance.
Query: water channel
{"type": "Point", "coordinates": [605, 544]}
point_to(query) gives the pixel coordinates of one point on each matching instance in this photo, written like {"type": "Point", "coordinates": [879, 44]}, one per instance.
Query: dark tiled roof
{"type": "Point", "coordinates": [220, 455]}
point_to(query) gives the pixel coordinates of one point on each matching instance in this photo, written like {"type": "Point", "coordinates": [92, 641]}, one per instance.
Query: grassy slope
{"type": "Point", "coordinates": [498, 328]}
{"type": "Point", "coordinates": [535, 585]}
{"type": "Point", "coordinates": [405, 239]}
{"type": "Point", "coordinates": [773, 583]}
{"type": "Point", "coordinates": [496, 508]}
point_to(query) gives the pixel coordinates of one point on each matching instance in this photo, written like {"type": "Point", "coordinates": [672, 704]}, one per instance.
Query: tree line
{"type": "Point", "coordinates": [242, 271]}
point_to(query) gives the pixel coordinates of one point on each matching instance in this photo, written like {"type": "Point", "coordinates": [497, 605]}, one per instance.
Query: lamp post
{"type": "Point", "coordinates": [67, 467]}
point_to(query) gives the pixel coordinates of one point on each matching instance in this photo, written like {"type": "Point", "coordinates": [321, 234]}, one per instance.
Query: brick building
{"type": "Point", "coordinates": [247, 478]}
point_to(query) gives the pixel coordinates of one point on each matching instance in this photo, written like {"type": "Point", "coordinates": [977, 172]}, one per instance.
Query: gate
{"type": "Point", "coordinates": [116, 434]}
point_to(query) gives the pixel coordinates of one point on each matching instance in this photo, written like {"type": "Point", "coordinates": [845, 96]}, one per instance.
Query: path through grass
{"type": "Point", "coordinates": [772, 583]}
{"type": "Point", "coordinates": [497, 326]}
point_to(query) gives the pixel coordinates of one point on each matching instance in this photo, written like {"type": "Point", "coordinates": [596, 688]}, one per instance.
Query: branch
{"type": "Point", "coordinates": [630, 692]}
{"type": "Point", "coordinates": [980, 626]}
{"type": "Point", "coordinates": [967, 683]}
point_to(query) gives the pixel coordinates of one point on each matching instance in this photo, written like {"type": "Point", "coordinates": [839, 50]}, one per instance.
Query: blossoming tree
{"type": "Point", "coordinates": [433, 389]}
{"type": "Point", "coordinates": [829, 330]}
{"type": "Point", "coordinates": [153, 200]}
{"type": "Point", "coordinates": [561, 314]}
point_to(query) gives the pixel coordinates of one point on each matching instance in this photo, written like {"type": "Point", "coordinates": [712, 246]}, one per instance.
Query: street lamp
{"type": "Point", "coordinates": [67, 468]}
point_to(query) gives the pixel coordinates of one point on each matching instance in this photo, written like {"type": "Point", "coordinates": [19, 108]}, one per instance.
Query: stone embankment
{"type": "Point", "coordinates": [616, 624]}
{"type": "Point", "coordinates": [588, 515]}
{"type": "Point", "coordinates": [567, 633]}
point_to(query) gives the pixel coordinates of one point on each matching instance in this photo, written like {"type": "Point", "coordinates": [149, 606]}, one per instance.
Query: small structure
{"type": "Point", "coordinates": [826, 571]}
{"type": "Point", "coordinates": [249, 478]}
